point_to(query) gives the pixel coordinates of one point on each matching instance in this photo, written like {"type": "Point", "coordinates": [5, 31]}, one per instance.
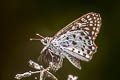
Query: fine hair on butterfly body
{"type": "Point", "coordinates": [75, 41]}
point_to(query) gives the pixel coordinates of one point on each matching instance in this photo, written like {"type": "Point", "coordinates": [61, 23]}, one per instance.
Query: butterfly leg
{"type": "Point", "coordinates": [52, 64]}
{"type": "Point", "coordinates": [56, 61]}
{"type": "Point", "coordinates": [74, 61]}
{"type": "Point", "coordinates": [51, 54]}
{"type": "Point", "coordinates": [45, 48]}
{"type": "Point", "coordinates": [60, 62]}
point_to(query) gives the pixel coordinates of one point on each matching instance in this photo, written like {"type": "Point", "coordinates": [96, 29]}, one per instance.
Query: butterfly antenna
{"type": "Point", "coordinates": [34, 39]}
{"type": "Point", "coordinates": [37, 35]}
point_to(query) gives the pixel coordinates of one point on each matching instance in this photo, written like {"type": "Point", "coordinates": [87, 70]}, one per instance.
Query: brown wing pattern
{"type": "Point", "coordinates": [90, 23]}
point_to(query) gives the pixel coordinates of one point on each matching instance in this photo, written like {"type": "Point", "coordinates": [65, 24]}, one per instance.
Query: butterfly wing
{"type": "Point", "coordinates": [90, 22]}
{"type": "Point", "coordinates": [77, 38]}
{"type": "Point", "coordinates": [74, 61]}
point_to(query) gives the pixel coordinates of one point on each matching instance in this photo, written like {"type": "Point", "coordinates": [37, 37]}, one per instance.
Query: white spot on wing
{"type": "Point", "coordinates": [95, 21]}
{"type": "Point", "coordinates": [90, 19]}
{"type": "Point", "coordinates": [89, 37]}
{"type": "Point", "coordinates": [95, 24]}
{"type": "Point", "coordinates": [94, 17]}
{"type": "Point", "coordinates": [94, 28]}
{"type": "Point", "coordinates": [93, 32]}
{"type": "Point", "coordinates": [82, 19]}
{"type": "Point", "coordinates": [98, 18]}
{"type": "Point", "coordinates": [97, 15]}
{"type": "Point", "coordinates": [73, 27]}
{"type": "Point", "coordinates": [91, 24]}
{"type": "Point", "coordinates": [69, 48]}
{"type": "Point", "coordinates": [87, 32]}
{"type": "Point", "coordinates": [83, 23]}
{"type": "Point", "coordinates": [88, 16]}
{"type": "Point", "coordinates": [97, 29]}
{"type": "Point", "coordinates": [87, 56]}
{"type": "Point", "coordinates": [86, 28]}
{"type": "Point", "coordinates": [76, 50]}
{"type": "Point", "coordinates": [98, 24]}
{"type": "Point", "coordinates": [93, 48]}
{"type": "Point", "coordinates": [80, 25]}
{"type": "Point", "coordinates": [93, 14]}
{"type": "Point", "coordinates": [81, 53]}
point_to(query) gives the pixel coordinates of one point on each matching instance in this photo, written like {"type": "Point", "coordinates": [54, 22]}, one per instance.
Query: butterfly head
{"type": "Point", "coordinates": [46, 40]}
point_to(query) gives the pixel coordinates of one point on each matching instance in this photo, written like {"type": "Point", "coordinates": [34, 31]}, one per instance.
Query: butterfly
{"type": "Point", "coordinates": [76, 41]}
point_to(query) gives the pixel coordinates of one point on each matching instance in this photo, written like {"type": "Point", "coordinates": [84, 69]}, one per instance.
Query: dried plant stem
{"type": "Point", "coordinates": [42, 72]}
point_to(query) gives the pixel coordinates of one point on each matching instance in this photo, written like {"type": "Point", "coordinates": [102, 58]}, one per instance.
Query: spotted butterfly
{"type": "Point", "coordinates": [75, 41]}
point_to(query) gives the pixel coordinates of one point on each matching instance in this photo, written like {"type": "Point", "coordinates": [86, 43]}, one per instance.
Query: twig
{"type": "Point", "coordinates": [26, 74]}
{"type": "Point", "coordinates": [42, 72]}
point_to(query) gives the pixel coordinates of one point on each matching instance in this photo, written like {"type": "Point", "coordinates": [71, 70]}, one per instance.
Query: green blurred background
{"type": "Point", "coordinates": [21, 19]}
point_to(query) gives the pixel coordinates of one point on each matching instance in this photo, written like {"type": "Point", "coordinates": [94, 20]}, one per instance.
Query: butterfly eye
{"type": "Point", "coordinates": [45, 41]}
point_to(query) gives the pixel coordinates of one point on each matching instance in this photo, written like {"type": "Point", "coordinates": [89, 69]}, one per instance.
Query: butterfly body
{"type": "Point", "coordinates": [75, 41]}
